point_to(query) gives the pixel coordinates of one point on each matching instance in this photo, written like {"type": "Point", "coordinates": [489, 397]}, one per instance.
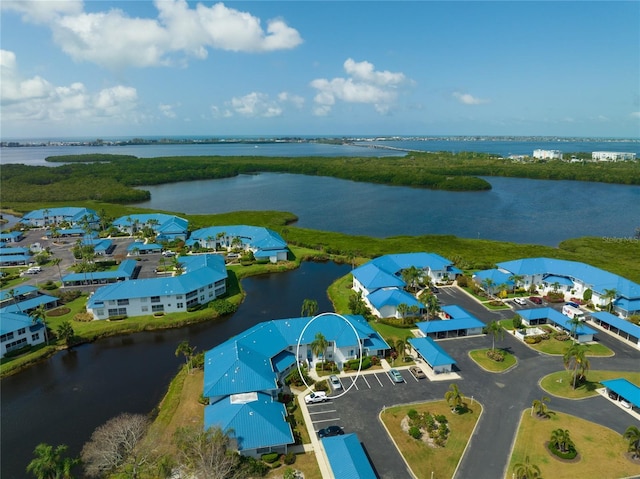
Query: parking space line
{"type": "Point", "coordinates": [367, 382]}
{"type": "Point", "coordinates": [322, 412]}
{"type": "Point", "coordinates": [355, 383]}
{"type": "Point", "coordinates": [378, 379]}
{"type": "Point", "coordinates": [327, 420]}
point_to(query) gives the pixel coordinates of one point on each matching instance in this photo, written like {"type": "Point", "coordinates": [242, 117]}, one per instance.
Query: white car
{"type": "Point", "coordinates": [318, 396]}
{"type": "Point", "coordinates": [520, 301]}
{"type": "Point", "coordinates": [625, 404]}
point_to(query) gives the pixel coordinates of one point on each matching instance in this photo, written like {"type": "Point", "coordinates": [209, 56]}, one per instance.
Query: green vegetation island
{"type": "Point", "coordinates": [119, 178]}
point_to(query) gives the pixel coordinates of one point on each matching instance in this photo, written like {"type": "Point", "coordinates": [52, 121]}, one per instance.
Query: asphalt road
{"type": "Point", "coordinates": [504, 397]}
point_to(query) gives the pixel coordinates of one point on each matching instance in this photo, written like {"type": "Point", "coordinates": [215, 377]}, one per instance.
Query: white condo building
{"type": "Point", "coordinates": [547, 154]}
{"type": "Point", "coordinates": [612, 156]}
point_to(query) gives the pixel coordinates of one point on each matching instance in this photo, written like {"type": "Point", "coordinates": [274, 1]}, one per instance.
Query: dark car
{"type": "Point", "coordinates": [535, 299]}
{"type": "Point", "coordinates": [330, 431]}
{"type": "Point", "coordinates": [613, 395]}
{"type": "Point", "coordinates": [434, 290]}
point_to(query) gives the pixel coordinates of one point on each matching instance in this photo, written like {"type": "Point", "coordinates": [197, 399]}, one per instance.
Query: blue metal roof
{"type": "Point", "coordinates": [255, 421]}
{"type": "Point", "coordinates": [347, 457]}
{"type": "Point", "coordinates": [621, 324]}
{"type": "Point", "coordinates": [71, 213]}
{"type": "Point", "coordinates": [498, 277]}
{"type": "Point", "coordinates": [14, 258]}
{"type": "Point", "coordinates": [124, 271]}
{"type": "Point", "coordinates": [392, 297]}
{"type": "Point", "coordinates": [283, 360]}
{"type": "Point", "coordinates": [555, 317]}
{"type": "Point", "coordinates": [597, 279]}
{"type": "Point", "coordinates": [373, 278]}
{"type": "Point", "coordinates": [166, 223]}
{"type": "Point", "coordinates": [443, 325]}
{"type": "Point", "coordinates": [17, 291]}
{"type": "Point", "coordinates": [561, 280]}
{"type": "Point", "coordinates": [14, 250]}
{"type": "Point", "coordinates": [256, 237]}
{"type": "Point", "coordinates": [143, 246]}
{"type": "Point", "coordinates": [624, 388]}
{"type": "Point", "coordinates": [30, 303]}
{"type": "Point", "coordinates": [12, 321]}
{"type": "Point", "coordinates": [431, 351]}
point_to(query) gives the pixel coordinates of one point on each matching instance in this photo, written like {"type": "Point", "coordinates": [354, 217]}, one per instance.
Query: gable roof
{"type": "Point", "coordinates": [255, 420]}
{"type": "Point", "coordinates": [431, 352]}
{"type": "Point", "coordinates": [624, 388]}
{"type": "Point", "coordinates": [556, 317]}
{"type": "Point", "coordinates": [347, 457]}
{"type": "Point", "coordinates": [71, 213]}
{"type": "Point", "coordinates": [392, 297]}
{"type": "Point", "coordinates": [621, 324]}
{"type": "Point", "coordinates": [258, 237]}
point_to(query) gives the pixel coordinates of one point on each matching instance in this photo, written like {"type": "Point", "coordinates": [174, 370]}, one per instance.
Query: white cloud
{"type": "Point", "coordinates": [37, 99]}
{"type": "Point", "coordinates": [256, 104]}
{"type": "Point", "coordinates": [364, 85]}
{"type": "Point", "coordinates": [296, 100]}
{"type": "Point", "coordinates": [635, 114]}
{"type": "Point", "coordinates": [167, 110]}
{"type": "Point", "coordinates": [468, 99]}
{"type": "Point", "coordinates": [115, 40]}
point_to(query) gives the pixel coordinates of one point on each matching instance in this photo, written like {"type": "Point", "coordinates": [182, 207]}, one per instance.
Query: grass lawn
{"type": "Point", "coordinates": [339, 292]}
{"type": "Point", "coordinates": [551, 346]}
{"type": "Point", "coordinates": [560, 383]}
{"type": "Point", "coordinates": [480, 358]}
{"type": "Point", "coordinates": [422, 458]}
{"type": "Point", "coordinates": [389, 333]}
{"type": "Point", "coordinates": [601, 450]}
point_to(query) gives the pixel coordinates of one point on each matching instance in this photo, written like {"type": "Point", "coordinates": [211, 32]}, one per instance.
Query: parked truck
{"type": "Point", "coordinates": [573, 312]}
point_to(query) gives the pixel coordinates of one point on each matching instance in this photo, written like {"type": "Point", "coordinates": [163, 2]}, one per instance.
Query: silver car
{"type": "Point", "coordinates": [335, 382]}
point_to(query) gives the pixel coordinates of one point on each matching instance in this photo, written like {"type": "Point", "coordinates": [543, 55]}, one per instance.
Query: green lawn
{"type": "Point", "coordinates": [560, 383]}
{"type": "Point", "coordinates": [552, 346]}
{"type": "Point", "coordinates": [422, 458]}
{"type": "Point", "coordinates": [601, 451]}
{"type": "Point", "coordinates": [480, 358]}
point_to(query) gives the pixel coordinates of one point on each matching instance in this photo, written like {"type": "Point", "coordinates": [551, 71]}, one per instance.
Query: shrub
{"type": "Point", "coordinates": [375, 360]}
{"type": "Point", "coordinates": [322, 386]}
{"type": "Point", "coordinates": [83, 317]}
{"type": "Point", "coordinates": [222, 306]}
{"type": "Point", "coordinates": [495, 355]}
{"type": "Point", "coordinates": [254, 467]}
{"type": "Point", "coordinates": [570, 453]}
{"type": "Point", "coordinates": [413, 414]}
{"type": "Point", "coordinates": [414, 432]}
{"type": "Point", "coordinates": [289, 458]}
{"type": "Point", "coordinates": [59, 312]}
{"type": "Point", "coordinates": [49, 286]}
{"type": "Point", "coordinates": [463, 281]}
{"type": "Point", "coordinates": [561, 337]}
{"type": "Point", "coordinates": [532, 339]}
{"type": "Point", "coordinates": [270, 457]}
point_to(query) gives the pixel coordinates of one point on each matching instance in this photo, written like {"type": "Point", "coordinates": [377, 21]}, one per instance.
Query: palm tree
{"type": "Point", "coordinates": [632, 434]}
{"type": "Point", "coordinates": [496, 331]}
{"type": "Point", "coordinates": [575, 357]}
{"type": "Point", "coordinates": [39, 314]}
{"type": "Point", "coordinates": [66, 332]}
{"type": "Point", "coordinates": [187, 351]}
{"type": "Point", "coordinates": [403, 309]}
{"type": "Point", "coordinates": [309, 308]}
{"type": "Point", "coordinates": [430, 302]}
{"type": "Point", "coordinates": [454, 397]}
{"type": "Point", "coordinates": [540, 407]}
{"type": "Point", "coordinates": [411, 276]}
{"type": "Point", "coordinates": [56, 262]}
{"type": "Point", "coordinates": [526, 470]}
{"type": "Point", "coordinates": [13, 294]}
{"type": "Point", "coordinates": [610, 295]}
{"type": "Point", "coordinates": [576, 323]}
{"type": "Point", "coordinates": [561, 439]}
{"type": "Point", "coordinates": [516, 278]}
{"type": "Point", "coordinates": [49, 463]}
{"type": "Point", "coordinates": [488, 285]}
{"type": "Point", "coordinates": [402, 345]}
{"type": "Point", "coordinates": [319, 346]}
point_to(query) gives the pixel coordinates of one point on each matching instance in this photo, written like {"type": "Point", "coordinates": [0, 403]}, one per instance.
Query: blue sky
{"type": "Point", "coordinates": [170, 67]}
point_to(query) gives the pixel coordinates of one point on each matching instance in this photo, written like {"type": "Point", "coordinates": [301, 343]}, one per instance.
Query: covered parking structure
{"type": "Point", "coordinates": [618, 326]}
{"type": "Point", "coordinates": [459, 323]}
{"type": "Point", "coordinates": [532, 317]}
{"type": "Point", "coordinates": [624, 389]}
{"type": "Point", "coordinates": [433, 354]}
{"type": "Point", "coordinates": [347, 458]}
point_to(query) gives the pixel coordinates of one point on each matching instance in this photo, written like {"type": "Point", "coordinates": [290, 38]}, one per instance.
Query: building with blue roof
{"type": "Point", "coordinates": [17, 330]}
{"type": "Point", "coordinates": [254, 364]}
{"type": "Point", "coordinates": [618, 326]}
{"type": "Point", "coordinates": [433, 354]}
{"type": "Point", "coordinates": [624, 389]}
{"type": "Point", "coordinates": [101, 246]}
{"type": "Point", "coordinates": [574, 278]}
{"type": "Point", "coordinates": [24, 299]}
{"type": "Point", "coordinates": [256, 421]}
{"type": "Point", "coordinates": [347, 458]}
{"type": "Point", "coordinates": [12, 237]}
{"type": "Point", "coordinates": [376, 280]}
{"type": "Point", "coordinates": [583, 333]}
{"type": "Point", "coordinates": [69, 215]}
{"type": "Point", "coordinates": [137, 248]}
{"type": "Point", "coordinates": [126, 270]}
{"type": "Point", "coordinates": [265, 244]}
{"type": "Point", "coordinates": [203, 281]}
{"type": "Point", "coordinates": [166, 227]}
{"type": "Point", "coordinates": [14, 255]}
{"type": "Point", "coordinates": [458, 323]}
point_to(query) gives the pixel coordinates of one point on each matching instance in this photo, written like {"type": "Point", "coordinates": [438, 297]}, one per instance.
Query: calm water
{"type": "Point", "coordinates": [518, 210]}
{"type": "Point", "coordinates": [62, 400]}
{"type": "Point", "coordinates": [36, 155]}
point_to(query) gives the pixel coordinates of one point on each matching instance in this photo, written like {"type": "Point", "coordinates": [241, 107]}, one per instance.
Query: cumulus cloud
{"type": "Point", "coordinates": [38, 99]}
{"type": "Point", "coordinates": [167, 110]}
{"type": "Point", "coordinates": [362, 85]}
{"type": "Point", "coordinates": [635, 114]}
{"type": "Point", "coordinates": [257, 104]}
{"type": "Point", "coordinates": [468, 99]}
{"type": "Point", "coordinates": [115, 40]}
{"type": "Point", "coordinates": [43, 11]}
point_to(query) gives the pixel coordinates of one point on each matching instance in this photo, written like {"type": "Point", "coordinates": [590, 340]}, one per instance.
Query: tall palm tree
{"type": "Point", "coordinates": [187, 351]}
{"type": "Point", "coordinates": [49, 463]}
{"type": "Point", "coordinates": [411, 276]}
{"type": "Point", "coordinates": [488, 284]}
{"type": "Point", "coordinates": [403, 309]}
{"type": "Point", "coordinates": [575, 357]}
{"type": "Point", "coordinates": [610, 295]}
{"type": "Point", "coordinates": [309, 308]}
{"type": "Point", "coordinates": [516, 278]}
{"type": "Point", "coordinates": [526, 470]}
{"type": "Point", "coordinates": [540, 407]}
{"type": "Point", "coordinates": [561, 439]}
{"type": "Point", "coordinates": [56, 262]}
{"type": "Point", "coordinates": [14, 295]}
{"type": "Point", "coordinates": [39, 314]}
{"type": "Point", "coordinates": [402, 345]}
{"type": "Point", "coordinates": [496, 331]}
{"type": "Point", "coordinates": [454, 397]}
{"type": "Point", "coordinates": [632, 434]}
{"type": "Point", "coordinates": [319, 346]}
{"type": "Point", "coordinates": [576, 324]}
{"type": "Point", "coordinates": [430, 302]}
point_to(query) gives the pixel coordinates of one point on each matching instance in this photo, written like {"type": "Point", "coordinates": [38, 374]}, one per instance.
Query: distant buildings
{"type": "Point", "coordinates": [612, 156]}
{"type": "Point", "coordinates": [547, 154]}
{"type": "Point", "coordinates": [72, 216]}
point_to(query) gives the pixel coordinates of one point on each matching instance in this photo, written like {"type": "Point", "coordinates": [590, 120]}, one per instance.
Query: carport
{"type": "Point", "coordinates": [436, 357]}
{"type": "Point", "coordinates": [624, 389]}
{"type": "Point", "coordinates": [616, 325]}
{"type": "Point", "coordinates": [347, 457]}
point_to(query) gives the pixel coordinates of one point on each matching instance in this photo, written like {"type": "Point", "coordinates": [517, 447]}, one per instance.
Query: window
{"type": "Point", "coordinates": [35, 337]}
{"type": "Point", "coordinates": [22, 331]}
{"type": "Point", "coordinates": [143, 300]}
{"type": "Point", "coordinates": [180, 305]}
{"type": "Point", "coordinates": [178, 296]}
{"type": "Point", "coordinates": [112, 302]}
{"type": "Point", "coordinates": [123, 302]}
{"type": "Point", "coordinates": [144, 309]}
{"type": "Point", "coordinates": [201, 290]}
{"type": "Point", "coordinates": [99, 312]}
{"type": "Point", "coordinates": [155, 299]}
{"type": "Point", "coordinates": [112, 311]}
{"type": "Point", "coordinates": [156, 308]}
